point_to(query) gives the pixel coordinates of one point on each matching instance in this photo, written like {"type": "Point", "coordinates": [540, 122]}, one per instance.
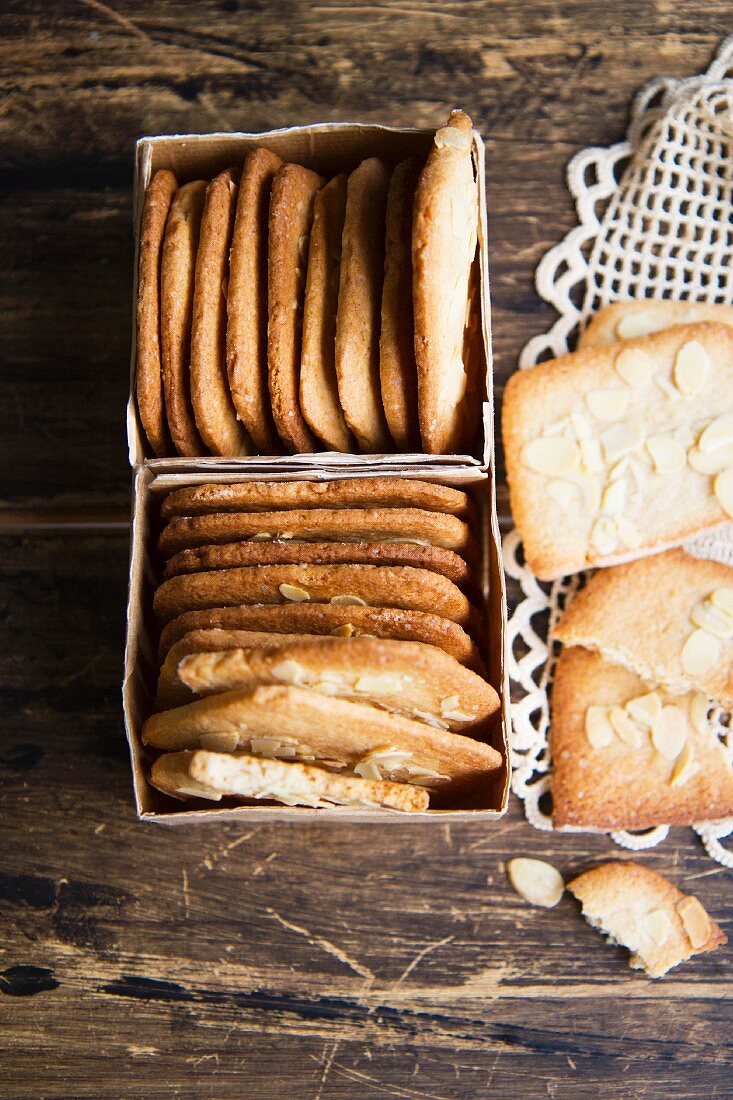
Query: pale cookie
{"type": "Point", "coordinates": [408, 678]}
{"type": "Point", "coordinates": [447, 336]}
{"type": "Point", "coordinates": [627, 754]}
{"type": "Point", "coordinates": [668, 617]}
{"type": "Point", "coordinates": [172, 692]}
{"type": "Point", "coordinates": [629, 320]}
{"type": "Point", "coordinates": [235, 554]}
{"type": "Point", "coordinates": [397, 367]}
{"type": "Point", "coordinates": [177, 271]}
{"type": "Point", "coordinates": [276, 496]}
{"type": "Point", "coordinates": [641, 910]}
{"type": "Point", "coordinates": [325, 619]}
{"type": "Point", "coordinates": [359, 302]}
{"type": "Point", "coordinates": [291, 214]}
{"type": "Point", "coordinates": [621, 451]}
{"type": "Point", "coordinates": [321, 524]}
{"type": "Point", "coordinates": [148, 370]}
{"type": "Point", "coordinates": [319, 399]}
{"type": "Point", "coordinates": [295, 723]}
{"type": "Point", "coordinates": [363, 585]}
{"type": "Point", "coordinates": [213, 775]}
{"type": "Point", "coordinates": [216, 417]}
{"type": "Point", "coordinates": [246, 339]}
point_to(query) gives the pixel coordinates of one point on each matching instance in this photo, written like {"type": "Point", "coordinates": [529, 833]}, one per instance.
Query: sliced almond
{"type": "Point", "coordinates": [656, 926]}
{"type": "Point", "coordinates": [292, 592]}
{"type": "Point", "coordinates": [557, 427]}
{"type": "Point", "coordinates": [691, 368]}
{"type": "Point", "coordinates": [289, 671]}
{"type": "Point", "coordinates": [553, 456]}
{"type": "Point", "coordinates": [604, 536]}
{"type": "Point", "coordinates": [711, 462]}
{"type": "Point", "coordinates": [666, 387]}
{"type": "Point", "coordinates": [261, 536]}
{"type": "Point", "coordinates": [348, 601]}
{"type": "Point", "coordinates": [452, 137]}
{"type": "Point", "coordinates": [723, 487]}
{"type": "Point", "coordinates": [614, 498]}
{"type": "Point", "coordinates": [537, 882]}
{"type": "Point", "coordinates": [619, 439]}
{"type": "Point", "coordinates": [450, 702]}
{"type": "Point", "coordinates": [684, 766]}
{"type": "Point", "coordinates": [645, 708]}
{"type": "Point", "coordinates": [634, 366]}
{"type": "Point", "coordinates": [695, 921]}
{"type": "Point", "coordinates": [380, 683]}
{"type": "Point", "coordinates": [598, 728]}
{"type": "Point", "coordinates": [719, 433]}
{"type": "Point", "coordinates": [223, 741]}
{"type": "Point", "coordinates": [581, 425]}
{"type": "Point", "coordinates": [723, 599]}
{"type": "Point", "coordinates": [684, 435]}
{"type": "Point", "coordinates": [699, 710]}
{"type": "Point", "coordinates": [628, 731]}
{"type": "Point", "coordinates": [590, 490]}
{"type": "Point", "coordinates": [640, 322]}
{"type": "Point", "coordinates": [607, 404]}
{"type": "Point", "coordinates": [669, 456]}
{"type": "Point", "coordinates": [669, 732]}
{"type": "Point", "coordinates": [562, 492]}
{"type": "Point", "coordinates": [346, 630]}
{"type": "Point", "coordinates": [591, 455]}
{"type": "Point", "coordinates": [628, 532]}
{"type": "Point", "coordinates": [699, 653]}
{"type": "Point", "coordinates": [708, 617]}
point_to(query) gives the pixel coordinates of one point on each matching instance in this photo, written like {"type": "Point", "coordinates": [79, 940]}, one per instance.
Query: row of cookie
{"type": "Point", "coordinates": [317, 672]}
{"type": "Point", "coordinates": [626, 446]}
{"type": "Point", "coordinates": [278, 310]}
{"type": "Point", "coordinates": [640, 687]}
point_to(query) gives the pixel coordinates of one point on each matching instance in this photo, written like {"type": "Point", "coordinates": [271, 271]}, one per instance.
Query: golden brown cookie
{"type": "Point", "coordinates": [247, 301]}
{"type": "Point", "coordinates": [216, 417]}
{"type": "Point", "coordinates": [177, 271]}
{"type": "Point", "coordinates": [319, 398]}
{"type": "Point", "coordinates": [212, 775]}
{"type": "Point", "coordinates": [291, 215]}
{"type": "Point", "coordinates": [359, 304]}
{"type": "Point", "coordinates": [444, 235]}
{"type": "Point", "coordinates": [148, 371]}
{"type": "Point", "coordinates": [397, 367]}
{"type": "Point", "coordinates": [630, 320]}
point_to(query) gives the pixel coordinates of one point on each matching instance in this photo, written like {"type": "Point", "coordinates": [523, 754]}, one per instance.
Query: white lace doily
{"type": "Point", "coordinates": [655, 221]}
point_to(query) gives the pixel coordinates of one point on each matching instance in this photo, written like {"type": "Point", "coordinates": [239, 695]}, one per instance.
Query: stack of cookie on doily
{"type": "Point", "coordinates": [282, 311]}
{"type": "Point", "coordinates": [615, 453]}
{"type": "Point", "coordinates": [318, 646]}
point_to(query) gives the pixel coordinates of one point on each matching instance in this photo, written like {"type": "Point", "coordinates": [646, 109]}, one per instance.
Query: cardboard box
{"type": "Point", "coordinates": [328, 148]}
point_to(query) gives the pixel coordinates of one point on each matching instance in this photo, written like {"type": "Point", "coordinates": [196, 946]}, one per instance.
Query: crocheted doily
{"type": "Point", "coordinates": [655, 221]}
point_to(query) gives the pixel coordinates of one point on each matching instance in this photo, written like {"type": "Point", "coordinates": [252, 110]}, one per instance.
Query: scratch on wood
{"type": "Point", "coordinates": [117, 17]}
{"type": "Point", "coordinates": [210, 861]}
{"type": "Point", "coordinates": [390, 1090]}
{"type": "Point", "coordinates": [261, 866]}
{"type": "Point", "coordinates": [325, 945]}
{"type": "Point", "coordinates": [203, 1058]}
{"type": "Point", "coordinates": [327, 1068]}
{"type": "Point", "coordinates": [142, 1052]}
{"type": "Point", "coordinates": [186, 894]}
{"type": "Point", "coordinates": [419, 958]}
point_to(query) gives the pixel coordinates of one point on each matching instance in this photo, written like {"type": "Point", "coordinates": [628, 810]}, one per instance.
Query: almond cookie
{"type": "Point", "coordinates": [325, 619]}
{"type": "Point", "coordinates": [668, 617]}
{"type": "Point", "coordinates": [364, 585]}
{"type": "Point", "coordinates": [212, 775]}
{"type": "Point", "coordinates": [621, 451]}
{"type": "Point", "coordinates": [216, 417]}
{"type": "Point", "coordinates": [643, 911]}
{"type": "Point", "coordinates": [359, 301]}
{"type": "Point", "coordinates": [291, 215]}
{"type": "Point", "coordinates": [630, 320]}
{"type": "Point", "coordinates": [319, 524]}
{"type": "Point", "coordinates": [246, 338]}
{"type": "Point", "coordinates": [177, 271]}
{"type": "Point", "coordinates": [628, 754]}
{"type": "Point", "coordinates": [295, 723]}
{"type": "Point", "coordinates": [397, 367]}
{"type": "Point", "coordinates": [447, 340]}
{"type": "Point", "coordinates": [319, 399]}
{"type": "Point", "coordinates": [276, 496]}
{"type": "Point", "coordinates": [148, 371]}
{"type": "Point", "coordinates": [407, 678]}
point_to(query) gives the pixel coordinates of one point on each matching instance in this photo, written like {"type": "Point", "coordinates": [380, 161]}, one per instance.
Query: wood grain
{"type": "Point", "coordinates": [212, 961]}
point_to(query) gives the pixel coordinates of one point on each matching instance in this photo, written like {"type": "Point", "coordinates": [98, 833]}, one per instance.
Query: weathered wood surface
{"type": "Point", "coordinates": [215, 962]}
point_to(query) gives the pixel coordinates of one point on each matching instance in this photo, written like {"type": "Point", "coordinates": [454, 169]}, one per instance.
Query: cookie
{"type": "Point", "coordinates": [447, 337]}
{"type": "Point", "coordinates": [319, 399]}
{"type": "Point", "coordinates": [246, 336]}
{"type": "Point", "coordinates": [325, 619]}
{"type": "Point", "coordinates": [641, 910]}
{"type": "Point", "coordinates": [235, 554]}
{"type": "Point", "coordinates": [291, 214]}
{"type": "Point", "coordinates": [629, 320]}
{"type": "Point", "coordinates": [359, 303]}
{"type": "Point", "coordinates": [148, 370]}
{"type": "Point", "coordinates": [627, 754]}
{"type": "Point", "coordinates": [319, 524]}
{"type": "Point", "coordinates": [397, 367]}
{"type": "Point", "coordinates": [177, 271]}
{"type": "Point", "coordinates": [216, 417]}
{"type": "Point", "coordinates": [668, 617]}
{"type": "Point", "coordinates": [276, 496]}
{"type": "Point", "coordinates": [296, 723]}
{"type": "Point", "coordinates": [364, 585]}
{"type": "Point", "coordinates": [407, 678]}
{"type": "Point", "coordinates": [212, 775]}
{"type": "Point", "coordinates": [620, 451]}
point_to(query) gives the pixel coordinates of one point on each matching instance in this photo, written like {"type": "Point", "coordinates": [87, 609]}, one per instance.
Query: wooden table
{"type": "Point", "coordinates": [212, 962]}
